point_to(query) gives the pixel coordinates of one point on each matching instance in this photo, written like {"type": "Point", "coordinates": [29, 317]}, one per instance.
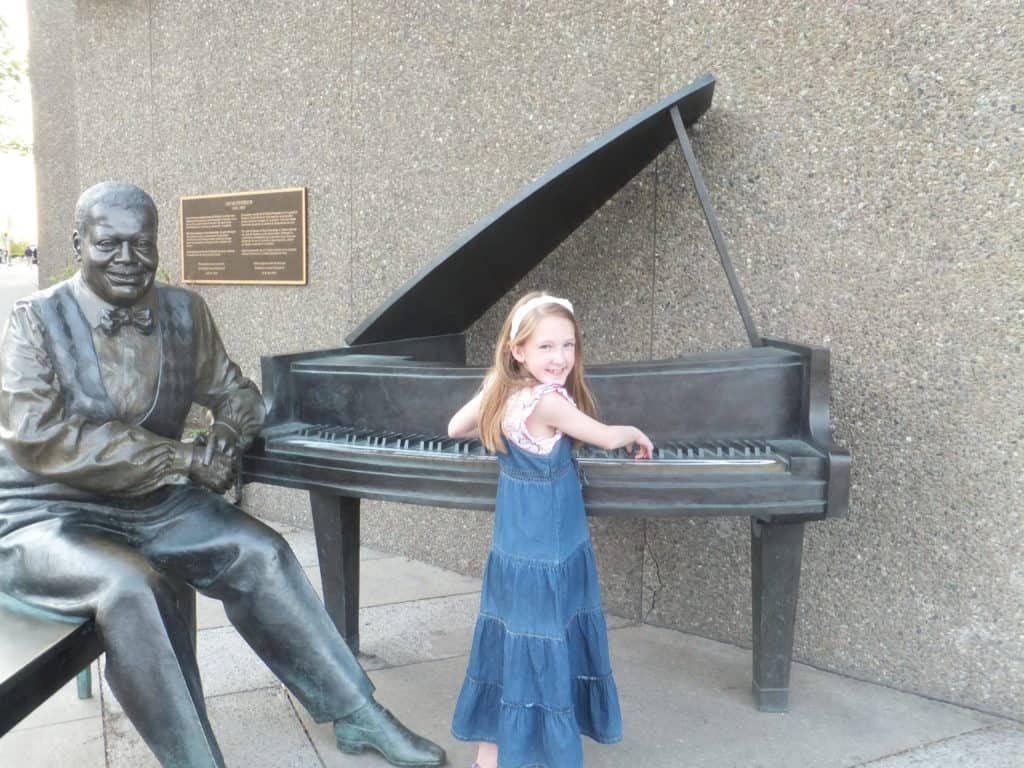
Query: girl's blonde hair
{"type": "Point", "coordinates": [507, 375]}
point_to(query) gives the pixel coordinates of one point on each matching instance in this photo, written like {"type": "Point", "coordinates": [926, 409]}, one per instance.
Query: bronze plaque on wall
{"type": "Point", "coordinates": [245, 237]}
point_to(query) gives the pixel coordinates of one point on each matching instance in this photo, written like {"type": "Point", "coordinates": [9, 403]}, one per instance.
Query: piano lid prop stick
{"type": "Point", "coordinates": [716, 232]}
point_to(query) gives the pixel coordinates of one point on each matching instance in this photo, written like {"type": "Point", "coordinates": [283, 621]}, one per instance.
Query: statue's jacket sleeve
{"type": "Point", "coordinates": [60, 446]}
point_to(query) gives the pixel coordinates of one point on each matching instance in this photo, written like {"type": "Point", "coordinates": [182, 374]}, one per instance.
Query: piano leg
{"type": "Point", "coordinates": [336, 525]}
{"type": "Point", "coordinates": [775, 553]}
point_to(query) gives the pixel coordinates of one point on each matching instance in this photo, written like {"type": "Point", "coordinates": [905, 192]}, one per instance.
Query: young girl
{"type": "Point", "coordinates": [539, 673]}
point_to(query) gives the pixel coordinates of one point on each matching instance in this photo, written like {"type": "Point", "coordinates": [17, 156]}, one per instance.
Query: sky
{"type": "Point", "coordinates": [17, 173]}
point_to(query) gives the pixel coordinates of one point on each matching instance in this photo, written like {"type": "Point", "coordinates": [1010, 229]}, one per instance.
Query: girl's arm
{"type": "Point", "coordinates": [555, 412]}
{"type": "Point", "coordinates": [466, 421]}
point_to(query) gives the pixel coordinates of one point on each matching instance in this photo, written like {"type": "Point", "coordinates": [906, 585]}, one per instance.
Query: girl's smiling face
{"type": "Point", "coordinates": [550, 352]}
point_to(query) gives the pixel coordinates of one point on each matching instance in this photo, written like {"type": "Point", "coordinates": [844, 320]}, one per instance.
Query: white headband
{"type": "Point", "coordinates": [532, 304]}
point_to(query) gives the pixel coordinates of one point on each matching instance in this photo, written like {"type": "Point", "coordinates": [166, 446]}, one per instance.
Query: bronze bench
{"type": "Point", "coordinates": [41, 651]}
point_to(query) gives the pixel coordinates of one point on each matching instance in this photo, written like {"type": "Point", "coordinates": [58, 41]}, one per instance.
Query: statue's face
{"type": "Point", "coordinates": [118, 252]}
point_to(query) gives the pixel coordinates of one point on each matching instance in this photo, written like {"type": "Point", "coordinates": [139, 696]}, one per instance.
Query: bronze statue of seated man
{"type": "Point", "coordinates": [102, 504]}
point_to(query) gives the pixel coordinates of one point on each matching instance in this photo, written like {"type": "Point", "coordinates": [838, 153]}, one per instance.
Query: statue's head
{"type": "Point", "coordinates": [115, 239]}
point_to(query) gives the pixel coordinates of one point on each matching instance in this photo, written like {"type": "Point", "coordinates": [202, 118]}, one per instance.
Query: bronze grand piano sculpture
{"type": "Point", "coordinates": [740, 432]}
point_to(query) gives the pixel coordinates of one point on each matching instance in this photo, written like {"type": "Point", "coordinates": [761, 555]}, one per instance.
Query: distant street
{"type": "Point", "coordinates": [16, 280]}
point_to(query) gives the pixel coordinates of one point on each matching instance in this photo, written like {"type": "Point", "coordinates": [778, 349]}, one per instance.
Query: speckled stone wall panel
{"type": "Point", "coordinates": [466, 104]}
{"type": "Point", "coordinates": [869, 187]}
{"type": "Point", "coordinates": [268, 108]}
{"type": "Point", "coordinates": [114, 104]}
{"type": "Point", "coordinates": [55, 143]}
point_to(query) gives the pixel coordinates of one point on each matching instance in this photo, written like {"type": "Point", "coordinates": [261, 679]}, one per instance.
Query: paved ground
{"type": "Point", "coordinates": [16, 280]}
{"type": "Point", "coordinates": [685, 700]}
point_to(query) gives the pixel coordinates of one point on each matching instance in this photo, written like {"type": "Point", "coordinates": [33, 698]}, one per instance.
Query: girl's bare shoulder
{"type": "Point", "coordinates": [553, 392]}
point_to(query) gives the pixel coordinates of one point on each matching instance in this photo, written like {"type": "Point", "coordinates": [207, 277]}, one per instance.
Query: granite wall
{"type": "Point", "coordinates": [865, 161]}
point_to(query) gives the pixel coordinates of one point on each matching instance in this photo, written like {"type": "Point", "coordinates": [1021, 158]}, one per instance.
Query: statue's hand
{"type": "Point", "coordinates": [222, 439]}
{"type": "Point", "coordinates": [217, 472]}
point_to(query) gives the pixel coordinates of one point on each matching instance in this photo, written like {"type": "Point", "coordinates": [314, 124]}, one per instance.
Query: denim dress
{"type": "Point", "coordinates": [539, 675]}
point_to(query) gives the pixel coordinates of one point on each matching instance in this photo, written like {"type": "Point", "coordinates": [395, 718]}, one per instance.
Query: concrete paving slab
{"type": "Point", "coordinates": [366, 553]}
{"type": "Point", "coordinates": [426, 630]}
{"type": "Point", "coordinates": [687, 701]}
{"type": "Point", "coordinates": [399, 579]}
{"type": "Point", "coordinates": [65, 706]}
{"type": "Point", "coordinates": [16, 280]}
{"type": "Point", "coordinates": [423, 697]}
{"type": "Point", "coordinates": [303, 543]}
{"type": "Point", "coordinates": [55, 745]}
{"type": "Point", "coordinates": [226, 663]}
{"type": "Point", "coordinates": [420, 695]}
{"type": "Point", "coordinates": [257, 729]}
{"type": "Point", "coordinates": [998, 746]}
{"type": "Point", "coordinates": [210, 613]}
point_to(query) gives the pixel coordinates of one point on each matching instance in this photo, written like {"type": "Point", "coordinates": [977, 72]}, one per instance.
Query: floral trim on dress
{"type": "Point", "coordinates": [518, 409]}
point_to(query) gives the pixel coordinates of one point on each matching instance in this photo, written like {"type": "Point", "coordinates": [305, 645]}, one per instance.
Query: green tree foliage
{"type": "Point", "coordinates": [17, 247]}
{"type": "Point", "coordinates": [12, 72]}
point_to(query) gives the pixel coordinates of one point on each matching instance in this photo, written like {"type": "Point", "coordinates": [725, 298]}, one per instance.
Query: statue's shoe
{"type": "Point", "coordinates": [374, 727]}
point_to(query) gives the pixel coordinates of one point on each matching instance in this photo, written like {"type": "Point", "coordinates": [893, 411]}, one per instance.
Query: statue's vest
{"type": "Point", "coordinates": [26, 497]}
{"type": "Point", "coordinates": [70, 347]}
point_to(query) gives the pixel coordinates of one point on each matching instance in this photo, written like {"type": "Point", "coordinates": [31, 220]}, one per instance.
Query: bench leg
{"type": "Point", "coordinates": [775, 553]}
{"type": "Point", "coordinates": [84, 681]}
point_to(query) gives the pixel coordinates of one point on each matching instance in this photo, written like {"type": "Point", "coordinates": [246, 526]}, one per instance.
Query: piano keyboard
{"type": "Point", "coordinates": [755, 454]}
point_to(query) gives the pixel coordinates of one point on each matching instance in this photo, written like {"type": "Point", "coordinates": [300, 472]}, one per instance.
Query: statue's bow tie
{"type": "Point", "coordinates": [112, 320]}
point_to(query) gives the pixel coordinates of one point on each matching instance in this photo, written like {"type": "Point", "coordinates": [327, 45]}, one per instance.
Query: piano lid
{"type": "Point", "coordinates": [489, 258]}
